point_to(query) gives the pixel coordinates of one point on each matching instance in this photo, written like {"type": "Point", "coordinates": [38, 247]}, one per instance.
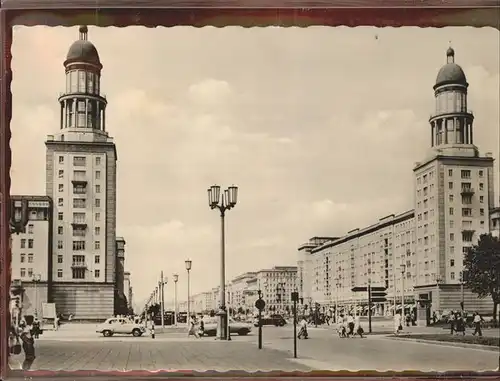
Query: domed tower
{"type": "Point", "coordinates": [451, 124]}
{"type": "Point", "coordinates": [83, 107]}
{"type": "Point", "coordinates": [81, 181]}
{"type": "Point", "coordinates": [453, 194]}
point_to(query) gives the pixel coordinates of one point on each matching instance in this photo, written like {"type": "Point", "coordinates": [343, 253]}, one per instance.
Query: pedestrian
{"type": "Point", "coordinates": [341, 327]}
{"type": "Point", "coordinates": [303, 329]}
{"type": "Point", "coordinates": [28, 342]}
{"type": "Point", "coordinates": [350, 325]}
{"type": "Point", "coordinates": [202, 327]}
{"type": "Point", "coordinates": [453, 321]}
{"type": "Point", "coordinates": [36, 328]}
{"type": "Point", "coordinates": [56, 322]}
{"type": "Point", "coordinates": [398, 327]}
{"type": "Point", "coordinates": [358, 330]}
{"type": "Point", "coordinates": [477, 324]}
{"type": "Point", "coordinates": [192, 328]}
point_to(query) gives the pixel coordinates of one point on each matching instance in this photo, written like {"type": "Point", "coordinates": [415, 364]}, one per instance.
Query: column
{"type": "Point", "coordinates": [86, 112]}
{"type": "Point", "coordinates": [104, 119]}
{"type": "Point", "coordinates": [433, 131]}
{"type": "Point", "coordinates": [75, 116]}
{"type": "Point", "coordinates": [471, 137]}
{"type": "Point", "coordinates": [61, 120]}
{"type": "Point", "coordinates": [455, 130]}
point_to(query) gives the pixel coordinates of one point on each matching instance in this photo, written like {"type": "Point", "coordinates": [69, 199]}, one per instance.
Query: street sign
{"type": "Point", "coordinates": [359, 289]}
{"type": "Point", "coordinates": [378, 295]}
{"type": "Point", "coordinates": [295, 296]}
{"type": "Point", "coordinates": [260, 304]}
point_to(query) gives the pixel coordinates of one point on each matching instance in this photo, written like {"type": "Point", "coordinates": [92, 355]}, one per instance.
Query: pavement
{"type": "Point", "coordinates": [84, 349]}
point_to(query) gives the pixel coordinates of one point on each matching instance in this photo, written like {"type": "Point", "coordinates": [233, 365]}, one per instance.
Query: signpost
{"type": "Point", "coordinates": [375, 295]}
{"type": "Point", "coordinates": [295, 299]}
{"type": "Point", "coordinates": [260, 304]}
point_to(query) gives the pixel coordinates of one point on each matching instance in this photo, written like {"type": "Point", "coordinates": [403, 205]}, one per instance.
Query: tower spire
{"type": "Point", "coordinates": [83, 32]}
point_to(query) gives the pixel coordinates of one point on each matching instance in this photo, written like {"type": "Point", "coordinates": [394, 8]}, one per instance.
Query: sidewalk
{"type": "Point", "coordinates": [196, 355]}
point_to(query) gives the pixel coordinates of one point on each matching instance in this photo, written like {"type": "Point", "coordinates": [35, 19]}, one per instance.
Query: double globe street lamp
{"type": "Point", "coordinates": [223, 202]}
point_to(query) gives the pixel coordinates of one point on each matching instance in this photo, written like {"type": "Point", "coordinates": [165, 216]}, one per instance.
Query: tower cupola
{"type": "Point", "coordinates": [83, 106]}
{"type": "Point", "coordinates": [451, 123]}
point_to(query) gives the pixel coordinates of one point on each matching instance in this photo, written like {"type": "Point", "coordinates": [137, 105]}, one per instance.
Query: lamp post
{"type": "Point", "coordinates": [403, 271]}
{"type": "Point", "coordinates": [36, 280]}
{"type": "Point", "coordinates": [176, 279]}
{"type": "Point", "coordinates": [163, 282]}
{"type": "Point", "coordinates": [188, 268]}
{"type": "Point", "coordinates": [223, 203]}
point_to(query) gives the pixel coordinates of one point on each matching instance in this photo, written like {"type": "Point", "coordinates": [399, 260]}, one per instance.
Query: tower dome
{"type": "Point", "coordinates": [83, 50]}
{"type": "Point", "coordinates": [451, 73]}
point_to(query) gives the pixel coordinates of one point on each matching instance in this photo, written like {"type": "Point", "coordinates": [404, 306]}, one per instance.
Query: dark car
{"type": "Point", "coordinates": [276, 320]}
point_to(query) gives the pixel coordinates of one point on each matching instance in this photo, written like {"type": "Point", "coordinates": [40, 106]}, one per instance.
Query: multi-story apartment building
{"type": "Point", "coordinates": [416, 255]}
{"type": "Point", "coordinates": [32, 250]}
{"type": "Point", "coordinates": [277, 285]}
{"type": "Point", "coordinates": [81, 179]}
{"type": "Point", "coordinates": [238, 287]}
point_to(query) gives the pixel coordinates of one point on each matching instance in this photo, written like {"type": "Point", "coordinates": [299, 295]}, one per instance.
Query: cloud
{"type": "Point", "coordinates": [318, 127]}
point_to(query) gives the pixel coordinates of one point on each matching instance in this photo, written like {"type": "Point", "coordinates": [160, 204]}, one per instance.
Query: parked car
{"type": "Point", "coordinates": [235, 327]}
{"type": "Point", "coordinates": [120, 326]}
{"type": "Point", "coordinates": [276, 320]}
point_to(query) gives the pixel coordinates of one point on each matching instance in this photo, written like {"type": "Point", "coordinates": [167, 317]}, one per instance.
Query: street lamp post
{"type": "Point", "coordinates": [188, 268]}
{"type": "Point", "coordinates": [176, 279]}
{"type": "Point", "coordinates": [223, 203]}
{"type": "Point", "coordinates": [403, 271]}
{"type": "Point", "coordinates": [36, 280]}
{"type": "Point", "coordinates": [163, 282]}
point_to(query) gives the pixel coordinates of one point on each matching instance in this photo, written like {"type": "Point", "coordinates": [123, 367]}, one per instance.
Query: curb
{"type": "Point", "coordinates": [447, 343]}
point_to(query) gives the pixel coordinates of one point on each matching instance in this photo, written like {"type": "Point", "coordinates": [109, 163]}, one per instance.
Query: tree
{"type": "Point", "coordinates": [154, 309]}
{"type": "Point", "coordinates": [482, 266]}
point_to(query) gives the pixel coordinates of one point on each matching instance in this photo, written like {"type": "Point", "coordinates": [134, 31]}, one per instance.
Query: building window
{"type": "Point", "coordinates": [59, 244]}
{"type": "Point", "coordinates": [23, 243]}
{"type": "Point", "coordinates": [466, 212]}
{"type": "Point", "coordinates": [81, 81]}
{"type": "Point", "coordinates": [79, 218]}
{"type": "Point", "coordinates": [30, 229]}
{"type": "Point", "coordinates": [465, 174]}
{"type": "Point", "coordinates": [97, 273]}
{"type": "Point", "coordinates": [481, 199]}
{"type": "Point", "coordinates": [78, 273]}
{"type": "Point", "coordinates": [30, 258]}
{"type": "Point", "coordinates": [23, 258]}
{"type": "Point", "coordinates": [30, 244]}
{"type": "Point", "coordinates": [452, 237]}
{"type": "Point", "coordinates": [452, 262]}
{"type": "Point", "coordinates": [97, 175]}
{"type": "Point", "coordinates": [97, 203]}
{"type": "Point", "coordinates": [97, 230]}
{"type": "Point", "coordinates": [452, 276]}
{"type": "Point", "coordinates": [452, 223]}
{"type": "Point", "coordinates": [97, 189]}
{"type": "Point", "coordinates": [78, 245]}
{"type": "Point", "coordinates": [61, 174]}
{"type": "Point", "coordinates": [79, 189]}
{"type": "Point", "coordinates": [97, 259]}
{"type": "Point", "coordinates": [97, 161]}
{"type": "Point", "coordinates": [79, 203]}
{"type": "Point", "coordinates": [61, 187]}
{"type": "Point", "coordinates": [481, 173]}
{"type": "Point", "coordinates": [452, 249]}
{"type": "Point", "coordinates": [451, 211]}
{"type": "Point", "coordinates": [59, 258]}
{"type": "Point", "coordinates": [90, 83]}
{"type": "Point", "coordinates": [481, 212]}
{"type": "Point", "coordinates": [80, 114]}
{"type": "Point", "coordinates": [60, 202]}
{"type": "Point", "coordinates": [61, 159]}
{"type": "Point", "coordinates": [59, 273]}
{"type": "Point", "coordinates": [450, 185]}
{"type": "Point", "coordinates": [79, 161]}
{"type": "Point", "coordinates": [30, 273]}
{"type": "Point", "coordinates": [23, 273]}
{"type": "Point", "coordinates": [60, 230]}
{"type": "Point", "coordinates": [450, 198]}
{"type": "Point", "coordinates": [481, 186]}
{"type": "Point", "coordinates": [97, 245]}
{"type": "Point", "coordinates": [450, 172]}
{"type": "Point", "coordinates": [60, 216]}
{"type": "Point", "coordinates": [98, 216]}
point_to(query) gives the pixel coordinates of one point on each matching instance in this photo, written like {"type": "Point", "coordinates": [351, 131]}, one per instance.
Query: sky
{"type": "Point", "coordinates": [318, 127]}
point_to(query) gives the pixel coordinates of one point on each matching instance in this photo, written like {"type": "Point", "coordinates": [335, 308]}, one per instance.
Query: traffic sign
{"type": "Point", "coordinates": [260, 304]}
{"type": "Point", "coordinates": [359, 289]}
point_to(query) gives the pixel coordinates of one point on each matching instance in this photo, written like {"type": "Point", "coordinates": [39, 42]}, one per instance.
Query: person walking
{"type": "Point", "coordinates": [350, 325]}
{"type": "Point", "coordinates": [398, 327]}
{"type": "Point", "coordinates": [202, 327]}
{"type": "Point", "coordinates": [477, 324]}
{"type": "Point", "coordinates": [192, 328]}
{"type": "Point", "coordinates": [358, 330]}
{"type": "Point", "coordinates": [28, 342]}
{"type": "Point", "coordinates": [453, 321]}
{"type": "Point", "coordinates": [303, 329]}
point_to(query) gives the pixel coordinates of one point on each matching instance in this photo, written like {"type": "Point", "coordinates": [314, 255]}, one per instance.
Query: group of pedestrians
{"type": "Point", "coordinates": [458, 323]}
{"type": "Point", "coordinates": [196, 327]}
{"type": "Point", "coordinates": [349, 326]}
{"type": "Point", "coordinates": [22, 339]}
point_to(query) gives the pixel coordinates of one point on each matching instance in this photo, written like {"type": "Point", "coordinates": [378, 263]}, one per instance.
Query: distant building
{"type": "Point", "coordinates": [32, 251]}
{"type": "Point", "coordinates": [417, 256]}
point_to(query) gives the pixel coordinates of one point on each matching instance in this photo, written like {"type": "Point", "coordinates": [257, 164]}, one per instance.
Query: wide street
{"type": "Point", "coordinates": [86, 350]}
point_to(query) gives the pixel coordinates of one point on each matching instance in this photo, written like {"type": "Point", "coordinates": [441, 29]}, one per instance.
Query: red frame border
{"type": "Point", "coordinates": [247, 13]}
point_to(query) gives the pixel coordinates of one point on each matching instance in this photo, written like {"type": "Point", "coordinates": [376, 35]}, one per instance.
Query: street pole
{"type": "Point", "coordinates": [260, 321]}
{"type": "Point", "coordinates": [403, 269]}
{"type": "Point", "coordinates": [295, 298]}
{"type": "Point", "coordinates": [188, 302]}
{"type": "Point", "coordinates": [462, 291]}
{"type": "Point", "coordinates": [369, 306]}
{"type": "Point", "coordinates": [394, 288]}
{"type": "Point", "coordinates": [176, 278]}
{"type": "Point", "coordinates": [223, 312]}
{"type": "Point", "coordinates": [162, 301]}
